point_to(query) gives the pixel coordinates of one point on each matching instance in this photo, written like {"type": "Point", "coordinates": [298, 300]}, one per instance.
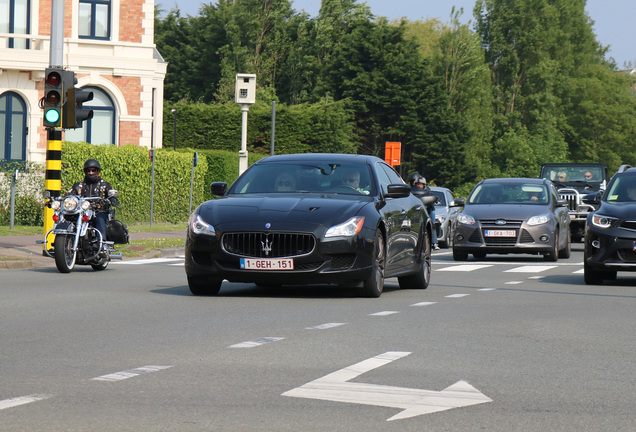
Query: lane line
{"type": "Point", "coordinates": [423, 304]}
{"type": "Point", "coordinates": [130, 373]}
{"type": "Point", "coordinates": [325, 326]}
{"type": "Point", "coordinates": [22, 400]}
{"type": "Point", "coordinates": [384, 313]}
{"type": "Point", "coordinates": [256, 342]}
{"type": "Point", "coordinates": [465, 267]}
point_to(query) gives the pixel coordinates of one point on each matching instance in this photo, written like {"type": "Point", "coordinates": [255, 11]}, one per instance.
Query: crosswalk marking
{"type": "Point", "coordinates": [530, 269]}
{"type": "Point", "coordinates": [17, 401]}
{"type": "Point", "coordinates": [130, 373]}
{"type": "Point", "coordinates": [465, 267]}
{"type": "Point", "coordinates": [256, 342]}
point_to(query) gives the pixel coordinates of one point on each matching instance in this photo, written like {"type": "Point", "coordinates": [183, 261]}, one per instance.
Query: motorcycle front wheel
{"type": "Point", "coordinates": [64, 254]}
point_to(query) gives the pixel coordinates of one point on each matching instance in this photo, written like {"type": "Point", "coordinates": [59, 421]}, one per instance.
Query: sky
{"type": "Point", "coordinates": [613, 19]}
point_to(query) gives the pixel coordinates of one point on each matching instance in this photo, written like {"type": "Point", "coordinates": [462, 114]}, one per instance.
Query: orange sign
{"type": "Point", "coordinates": [392, 153]}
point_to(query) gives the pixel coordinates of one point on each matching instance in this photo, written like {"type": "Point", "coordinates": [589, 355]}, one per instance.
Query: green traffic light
{"type": "Point", "coordinates": [52, 116]}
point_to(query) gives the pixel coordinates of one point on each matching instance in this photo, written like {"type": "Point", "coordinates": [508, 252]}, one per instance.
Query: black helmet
{"type": "Point", "coordinates": [92, 163]}
{"type": "Point", "coordinates": [413, 178]}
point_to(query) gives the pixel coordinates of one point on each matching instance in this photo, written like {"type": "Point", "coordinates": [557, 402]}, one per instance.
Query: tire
{"type": "Point", "coordinates": [446, 242]}
{"type": "Point", "coordinates": [459, 256]}
{"type": "Point", "coordinates": [479, 255]}
{"type": "Point", "coordinates": [591, 276]}
{"type": "Point", "coordinates": [202, 286]}
{"type": "Point", "coordinates": [374, 286]}
{"type": "Point", "coordinates": [102, 265]}
{"type": "Point", "coordinates": [553, 255]}
{"type": "Point", "coordinates": [65, 256]}
{"type": "Point", "coordinates": [422, 278]}
{"type": "Point", "coordinates": [567, 250]}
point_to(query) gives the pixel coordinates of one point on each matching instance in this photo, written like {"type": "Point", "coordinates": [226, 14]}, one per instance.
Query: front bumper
{"type": "Point", "coordinates": [610, 249]}
{"type": "Point", "coordinates": [532, 240]}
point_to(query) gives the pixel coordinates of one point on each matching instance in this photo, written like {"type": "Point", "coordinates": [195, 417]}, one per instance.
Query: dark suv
{"type": "Point", "coordinates": [610, 232]}
{"type": "Point", "coordinates": [574, 181]}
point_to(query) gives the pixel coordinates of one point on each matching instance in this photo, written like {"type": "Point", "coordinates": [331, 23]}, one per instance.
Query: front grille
{"type": "Point", "coordinates": [627, 255]}
{"type": "Point", "coordinates": [572, 197]}
{"type": "Point", "coordinates": [268, 245]}
{"type": "Point", "coordinates": [630, 225]}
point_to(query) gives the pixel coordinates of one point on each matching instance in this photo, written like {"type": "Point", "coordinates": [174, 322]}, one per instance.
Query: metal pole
{"type": "Point", "coordinates": [243, 153]}
{"type": "Point", "coordinates": [12, 218]}
{"type": "Point", "coordinates": [191, 188]}
{"type": "Point", "coordinates": [273, 126]}
{"type": "Point", "coordinates": [56, 53]}
{"type": "Point", "coordinates": [152, 185]}
{"type": "Point", "coordinates": [174, 130]}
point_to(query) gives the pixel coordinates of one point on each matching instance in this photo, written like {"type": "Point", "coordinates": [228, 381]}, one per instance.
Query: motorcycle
{"type": "Point", "coordinates": [77, 241]}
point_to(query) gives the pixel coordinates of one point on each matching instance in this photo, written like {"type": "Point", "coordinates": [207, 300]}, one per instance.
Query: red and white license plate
{"type": "Point", "coordinates": [267, 264]}
{"type": "Point", "coordinates": [500, 233]}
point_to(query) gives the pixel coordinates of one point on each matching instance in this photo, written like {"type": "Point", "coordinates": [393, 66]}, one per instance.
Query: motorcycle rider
{"type": "Point", "coordinates": [420, 189]}
{"type": "Point", "coordinates": [94, 186]}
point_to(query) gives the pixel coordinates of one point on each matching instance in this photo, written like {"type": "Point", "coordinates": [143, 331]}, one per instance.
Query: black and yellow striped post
{"type": "Point", "coordinates": [52, 179]}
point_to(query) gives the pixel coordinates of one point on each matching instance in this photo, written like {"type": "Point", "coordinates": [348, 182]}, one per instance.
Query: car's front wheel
{"type": "Point", "coordinates": [203, 286]}
{"type": "Point", "coordinates": [567, 250]}
{"type": "Point", "coordinates": [553, 255]}
{"type": "Point", "coordinates": [421, 279]}
{"type": "Point", "coordinates": [459, 256]}
{"type": "Point", "coordinates": [591, 276]}
{"type": "Point", "coordinates": [374, 286]}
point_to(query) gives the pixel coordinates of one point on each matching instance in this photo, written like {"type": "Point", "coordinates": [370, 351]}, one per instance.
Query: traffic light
{"type": "Point", "coordinates": [53, 91]}
{"type": "Point", "coordinates": [74, 112]}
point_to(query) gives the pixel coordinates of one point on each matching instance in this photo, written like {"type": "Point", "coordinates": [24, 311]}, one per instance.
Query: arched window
{"type": "Point", "coordinates": [101, 128]}
{"type": "Point", "coordinates": [13, 129]}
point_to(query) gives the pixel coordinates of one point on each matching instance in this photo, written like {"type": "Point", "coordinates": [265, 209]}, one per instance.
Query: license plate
{"type": "Point", "coordinates": [267, 264]}
{"type": "Point", "coordinates": [500, 233]}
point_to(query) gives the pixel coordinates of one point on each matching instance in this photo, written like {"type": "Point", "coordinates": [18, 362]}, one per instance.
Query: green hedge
{"type": "Point", "coordinates": [129, 170]}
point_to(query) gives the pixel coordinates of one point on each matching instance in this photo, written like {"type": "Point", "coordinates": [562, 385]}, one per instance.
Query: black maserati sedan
{"type": "Point", "coordinates": [513, 215]}
{"type": "Point", "coordinates": [610, 232]}
{"type": "Point", "coordinates": [311, 219]}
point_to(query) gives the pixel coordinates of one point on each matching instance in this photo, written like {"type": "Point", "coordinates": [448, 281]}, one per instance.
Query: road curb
{"type": "Point", "coordinates": [16, 264]}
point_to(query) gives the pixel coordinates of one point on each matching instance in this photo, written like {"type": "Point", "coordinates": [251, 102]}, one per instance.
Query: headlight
{"type": "Point", "coordinates": [602, 221]}
{"type": "Point", "coordinates": [69, 204]}
{"type": "Point", "coordinates": [538, 220]}
{"type": "Point", "coordinates": [347, 229]}
{"type": "Point", "coordinates": [466, 219]}
{"type": "Point", "coordinates": [55, 205]}
{"type": "Point", "coordinates": [198, 226]}
{"type": "Point", "coordinates": [86, 205]}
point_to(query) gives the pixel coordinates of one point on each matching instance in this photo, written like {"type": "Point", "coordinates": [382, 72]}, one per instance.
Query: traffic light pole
{"type": "Point", "coordinates": [53, 176]}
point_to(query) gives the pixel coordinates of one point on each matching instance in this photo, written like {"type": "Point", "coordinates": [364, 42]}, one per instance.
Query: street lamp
{"type": "Point", "coordinates": [174, 130]}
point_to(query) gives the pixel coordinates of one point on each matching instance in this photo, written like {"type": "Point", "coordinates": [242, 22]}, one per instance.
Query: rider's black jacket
{"type": "Point", "coordinates": [423, 192]}
{"type": "Point", "coordinates": [98, 188]}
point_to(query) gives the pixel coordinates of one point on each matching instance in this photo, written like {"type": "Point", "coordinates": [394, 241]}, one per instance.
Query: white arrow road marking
{"type": "Point", "coordinates": [335, 387]}
{"type": "Point", "coordinates": [10, 403]}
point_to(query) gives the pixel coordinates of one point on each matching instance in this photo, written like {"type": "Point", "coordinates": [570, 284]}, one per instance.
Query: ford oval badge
{"type": "Point", "coordinates": [500, 222]}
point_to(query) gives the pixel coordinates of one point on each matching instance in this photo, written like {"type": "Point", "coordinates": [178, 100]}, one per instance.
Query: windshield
{"type": "Point", "coordinates": [509, 193]}
{"type": "Point", "coordinates": [593, 174]}
{"type": "Point", "coordinates": [297, 177]}
{"type": "Point", "coordinates": [622, 189]}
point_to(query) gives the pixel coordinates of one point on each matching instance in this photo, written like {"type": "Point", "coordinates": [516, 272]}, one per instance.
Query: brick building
{"type": "Point", "coordinates": [109, 44]}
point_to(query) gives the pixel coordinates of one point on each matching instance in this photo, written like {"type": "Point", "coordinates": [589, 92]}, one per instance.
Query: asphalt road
{"type": "Point", "coordinates": [523, 345]}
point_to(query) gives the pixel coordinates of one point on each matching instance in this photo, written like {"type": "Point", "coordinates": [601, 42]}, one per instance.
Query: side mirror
{"type": "Point", "coordinates": [562, 203]}
{"type": "Point", "coordinates": [592, 198]}
{"type": "Point", "coordinates": [397, 191]}
{"type": "Point", "coordinates": [458, 202]}
{"type": "Point", "coordinates": [112, 193]}
{"type": "Point", "coordinates": [218, 188]}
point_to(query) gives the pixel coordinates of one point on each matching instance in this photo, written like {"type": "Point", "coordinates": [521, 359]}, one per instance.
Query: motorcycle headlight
{"type": "Point", "coordinates": [55, 205]}
{"type": "Point", "coordinates": [69, 204]}
{"type": "Point", "coordinates": [199, 226]}
{"type": "Point", "coordinates": [538, 220]}
{"type": "Point", "coordinates": [86, 205]}
{"type": "Point", "coordinates": [601, 221]}
{"type": "Point", "coordinates": [466, 219]}
{"type": "Point", "coordinates": [351, 227]}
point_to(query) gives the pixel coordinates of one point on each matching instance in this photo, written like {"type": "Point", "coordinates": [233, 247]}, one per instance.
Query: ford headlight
{"type": "Point", "coordinates": [351, 227]}
{"type": "Point", "coordinates": [466, 219]}
{"type": "Point", "coordinates": [199, 226]}
{"type": "Point", "coordinates": [538, 220]}
{"type": "Point", "coordinates": [601, 221]}
{"type": "Point", "coordinates": [69, 204]}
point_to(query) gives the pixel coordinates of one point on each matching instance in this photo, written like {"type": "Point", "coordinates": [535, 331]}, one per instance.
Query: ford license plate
{"type": "Point", "coordinates": [267, 264]}
{"type": "Point", "coordinates": [500, 233]}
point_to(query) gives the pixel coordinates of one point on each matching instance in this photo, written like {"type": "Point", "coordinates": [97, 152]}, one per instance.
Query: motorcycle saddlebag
{"type": "Point", "coordinates": [117, 232]}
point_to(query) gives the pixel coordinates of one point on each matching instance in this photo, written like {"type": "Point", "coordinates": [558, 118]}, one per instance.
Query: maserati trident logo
{"type": "Point", "coordinates": [267, 246]}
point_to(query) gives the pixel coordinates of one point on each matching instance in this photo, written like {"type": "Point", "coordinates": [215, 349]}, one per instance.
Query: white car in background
{"type": "Point", "coordinates": [445, 213]}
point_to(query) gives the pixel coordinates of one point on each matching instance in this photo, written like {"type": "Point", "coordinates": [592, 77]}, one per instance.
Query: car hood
{"type": "Point", "coordinates": [505, 211]}
{"type": "Point", "coordinates": [620, 210]}
{"type": "Point", "coordinates": [257, 211]}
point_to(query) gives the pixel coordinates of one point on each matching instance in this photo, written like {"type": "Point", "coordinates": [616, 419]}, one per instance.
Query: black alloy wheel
{"type": "Point", "coordinates": [374, 286]}
{"type": "Point", "coordinates": [422, 278]}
